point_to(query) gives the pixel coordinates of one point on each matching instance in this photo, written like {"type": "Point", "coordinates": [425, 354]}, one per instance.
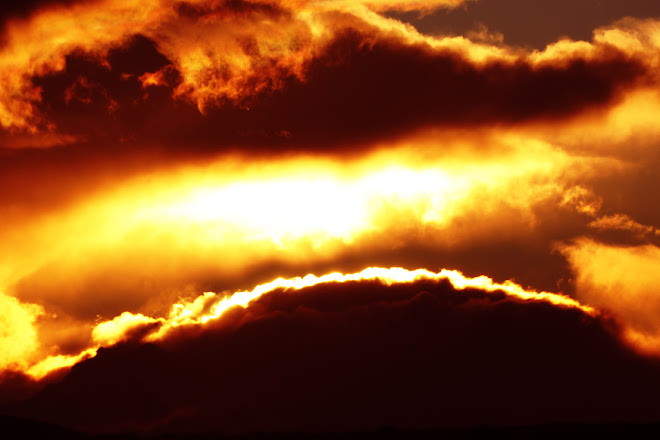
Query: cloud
{"type": "Point", "coordinates": [266, 72]}
{"type": "Point", "coordinates": [363, 354]}
{"type": "Point", "coordinates": [622, 280]}
{"type": "Point", "coordinates": [155, 229]}
{"type": "Point", "coordinates": [615, 227]}
{"type": "Point", "coordinates": [624, 223]}
{"type": "Point", "coordinates": [120, 328]}
{"type": "Point", "coordinates": [15, 387]}
{"type": "Point", "coordinates": [209, 307]}
{"type": "Point", "coordinates": [18, 336]}
{"type": "Point", "coordinates": [243, 45]}
{"type": "Point", "coordinates": [158, 150]}
{"type": "Point", "coordinates": [218, 223]}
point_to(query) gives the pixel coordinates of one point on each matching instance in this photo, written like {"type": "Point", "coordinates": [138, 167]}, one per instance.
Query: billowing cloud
{"type": "Point", "coordinates": [18, 336]}
{"type": "Point", "coordinates": [223, 223]}
{"type": "Point", "coordinates": [243, 45]}
{"type": "Point", "coordinates": [360, 354]}
{"type": "Point", "coordinates": [120, 328]}
{"type": "Point", "coordinates": [142, 244]}
{"type": "Point", "coordinates": [211, 306]}
{"type": "Point", "coordinates": [624, 281]}
{"type": "Point", "coordinates": [624, 223]}
{"type": "Point", "coordinates": [160, 159]}
{"type": "Point", "coordinates": [279, 66]}
{"type": "Point", "coordinates": [190, 318]}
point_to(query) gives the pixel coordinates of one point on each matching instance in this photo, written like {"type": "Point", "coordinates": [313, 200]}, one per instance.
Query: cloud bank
{"type": "Point", "coordinates": [154, 151]}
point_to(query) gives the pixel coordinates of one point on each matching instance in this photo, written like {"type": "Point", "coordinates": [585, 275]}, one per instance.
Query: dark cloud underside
{"type": "Point", "coordinates": [362, 356]}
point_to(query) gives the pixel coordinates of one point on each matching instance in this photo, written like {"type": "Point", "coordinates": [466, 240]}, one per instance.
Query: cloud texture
{"type": "Point", "coordinates": [361, 355]}
{"type": "Point", "coordinates": [154, 151]}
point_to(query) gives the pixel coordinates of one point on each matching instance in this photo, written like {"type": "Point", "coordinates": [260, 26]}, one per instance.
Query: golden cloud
{"type": "Point", "coordinates": [18, 335]}
{"type": "Point", "coordinates": [622, 280]}
{"type": "Point", "coordinates": [230, 51]}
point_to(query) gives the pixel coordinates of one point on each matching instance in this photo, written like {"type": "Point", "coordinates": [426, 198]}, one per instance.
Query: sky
{"type": "Point", "coordinates": [329, 215]}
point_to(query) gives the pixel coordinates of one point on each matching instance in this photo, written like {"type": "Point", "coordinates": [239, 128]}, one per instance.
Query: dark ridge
{"type": "Point", "coordinates": [360, 357]}
{"type": "Point", "coordinates": [18, 428]}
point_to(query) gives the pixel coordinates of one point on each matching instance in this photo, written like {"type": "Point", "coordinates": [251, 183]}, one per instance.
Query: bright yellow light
{"type": "Point", "coordinates": [18, 336]}
{"type": "Point", "coordinates": [211, 306]}
{"type": "Point", "coordinates": [58, 362]}
{"type": "Point", "coordinates": [308, 206]}
{"type": "Point", "coordinates": [151, 238]}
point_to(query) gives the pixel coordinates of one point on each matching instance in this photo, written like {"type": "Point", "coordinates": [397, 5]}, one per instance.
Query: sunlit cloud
{"type": "Point", "coordinates": [287, 203]}
{"type": "Point", "coordinates": [150, 240]}
{"type": "Point", "coordinates": [230, 52]}
{"type": "Point", "coordinates": [624, 223]}
{"type": "Point", "coordinates": [18, 335]}
{"type": "Point", "coordinates": [168, 168]}
{"type": "Point", "coordinates": [622, 280]}
{"type": "Point", "coordinates": [211, 306]}
{"type": "Point", "coordinates": [222, 50]}
{"type": "Point", "coordinates": [58, 362]}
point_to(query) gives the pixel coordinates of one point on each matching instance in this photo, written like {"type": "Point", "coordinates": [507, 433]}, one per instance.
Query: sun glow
{"type": "Point", "coordinates": [152, 238]}
{"type": "Point", "coordinates": [310, 205]}
{"type": "Point", "coordinates": [287, 205]}
{"type": "Point", "coordinates": [211, 306]}
{"type": "Point", "coordinates": [233, 216]}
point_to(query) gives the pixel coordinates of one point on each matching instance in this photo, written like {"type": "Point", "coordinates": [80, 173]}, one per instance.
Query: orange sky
{"type": "Point", "coordinates": [158, 157]}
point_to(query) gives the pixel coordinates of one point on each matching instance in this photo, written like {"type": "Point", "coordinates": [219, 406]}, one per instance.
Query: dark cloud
{"type": "Point", "coordinates": [357, 91]}
{"type": "Point", "coordinates": [16, 387]}
{"type": "Point", "coordinates": [362, 356]}
{"type": "Point", "coordinates": [523, 256]}
{"type": "Point", "coordinates": [346, 357]}
{"type": "Point", "coordinates": [230, 9]}
{"type": "Point", "coordinates": [110, 106]}
{"type": "Point", "coordinates": [22, 9]}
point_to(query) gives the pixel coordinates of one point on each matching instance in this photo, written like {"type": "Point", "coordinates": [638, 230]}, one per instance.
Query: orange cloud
{"type": "Point", "coordinates": [586, 202]}
{"type": "Point", "coordinates": [234, 51]}
{"type": "Point", "coordinates": [208, 145]}
{"type": "Point", "coordinates": [160, 237]}
{"type": "Point", "coordinates": [300, 209]}
{"type": "Point", "coordinates": [624, 281]}
{"type": "Point", "coordinates": [546, 129]}
{"type": "Point", "coordinates": [38, 45]}
{"type": "Point", "coordinates": [18, 334]}
{"type": "Point", "coordinates": [210, 307]}
{"type": "Point", "coordinates": [222, 49]}
{"type": "Point", "coordinates": [120, 328]}
{"type": "Point", "coordinates": [623, 222]}
{"type": "Point", "coordinates": [387, 338]}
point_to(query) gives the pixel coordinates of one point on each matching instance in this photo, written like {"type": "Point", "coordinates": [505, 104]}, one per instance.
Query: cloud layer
{"type": "Point", "coordinates": [361, 355]}
{"type": "Point", "coordinates": [154, 151]}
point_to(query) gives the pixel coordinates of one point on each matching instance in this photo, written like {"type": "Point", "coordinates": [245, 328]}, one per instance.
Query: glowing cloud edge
{"type": "Point", "coordinates": [211, 306]}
